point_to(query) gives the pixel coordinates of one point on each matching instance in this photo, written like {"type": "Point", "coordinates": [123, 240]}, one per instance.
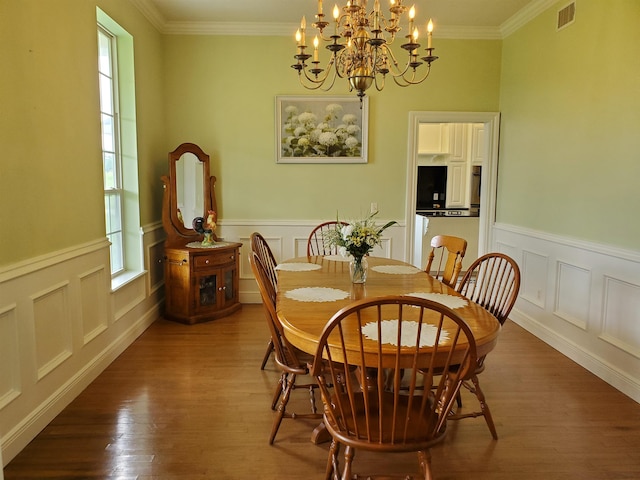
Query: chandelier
{"type": "Point", "coordinates": [360, 46]}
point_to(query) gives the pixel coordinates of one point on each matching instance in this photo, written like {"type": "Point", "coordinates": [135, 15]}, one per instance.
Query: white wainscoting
{"type": "Point", "coordinates": [61, 325]}
{"type": "Point", "coordinates": [581, 298]}
{"type": "Point", "coordinates": [288, 239]}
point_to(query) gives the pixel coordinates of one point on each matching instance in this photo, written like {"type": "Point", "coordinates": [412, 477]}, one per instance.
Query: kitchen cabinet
{"type": "Point", "coordinates": [458, 134]}
{"type": "Point", "coordinates": [477, 144]}
{"type": "Point", "coordinates": [457, 181]}
{"type": "Point", "coordinates": [433, 139]}
{"type": "Point", "coordinates": [201, 283]}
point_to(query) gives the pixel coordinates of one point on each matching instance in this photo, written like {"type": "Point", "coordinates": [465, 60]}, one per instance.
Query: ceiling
{"type": "Point", "coordinates": [478, 18]}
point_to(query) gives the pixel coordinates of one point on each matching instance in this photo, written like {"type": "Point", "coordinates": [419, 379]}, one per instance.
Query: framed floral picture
{"type": "Point", "coordinates": [319, 129]}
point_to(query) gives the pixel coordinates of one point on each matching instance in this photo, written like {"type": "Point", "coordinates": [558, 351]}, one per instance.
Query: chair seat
{"type": "Point", "coordinates": [384, 428]}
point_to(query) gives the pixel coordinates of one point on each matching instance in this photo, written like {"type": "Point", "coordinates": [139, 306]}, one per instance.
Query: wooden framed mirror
{"type": "Point", "coordinates": [189, 192]}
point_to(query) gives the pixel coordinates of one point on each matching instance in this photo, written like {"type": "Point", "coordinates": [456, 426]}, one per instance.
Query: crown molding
{"type": "Point", "coordinates": [151, 13]}
{"type": "Point", "coordinates": [148, 9]}
{"type": "Point", "coordinates": [524, 16]}
{"type": "Point", "coordinates": [288, 29]}
{"type": "Point", "coordinates": [231, 28]}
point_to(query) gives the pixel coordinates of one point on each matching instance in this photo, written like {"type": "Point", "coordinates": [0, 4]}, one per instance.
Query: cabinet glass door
{"type": "Point", "coordinates": [208, 290]}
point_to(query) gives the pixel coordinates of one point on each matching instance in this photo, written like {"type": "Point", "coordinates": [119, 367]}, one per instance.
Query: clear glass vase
{"type": "Point", "coordinates": [359, 267]}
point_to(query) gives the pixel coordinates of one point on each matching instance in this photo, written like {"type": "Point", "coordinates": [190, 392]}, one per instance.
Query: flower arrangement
{"type": "Point", "coordinates": [356, 238]}
{"type": "Point", "coordinates": [335, 135]}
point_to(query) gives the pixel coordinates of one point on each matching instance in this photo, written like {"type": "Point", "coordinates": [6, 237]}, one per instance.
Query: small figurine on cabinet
{"type": "Point", "coordinates": [206, 228]}
{"type": "Point", "coordinates": [211, 221]}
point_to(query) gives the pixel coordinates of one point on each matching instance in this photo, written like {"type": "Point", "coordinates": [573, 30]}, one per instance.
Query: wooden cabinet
{"type": "Point", "coordinates": [201, 284]}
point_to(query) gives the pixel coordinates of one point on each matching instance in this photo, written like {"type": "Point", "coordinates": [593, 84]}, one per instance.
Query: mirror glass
{"type": "Point", "coordinates": [189, 188]}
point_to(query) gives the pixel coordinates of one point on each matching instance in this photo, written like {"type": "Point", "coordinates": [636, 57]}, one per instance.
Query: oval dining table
{"type": "Point", "coordinates": [312, 289]}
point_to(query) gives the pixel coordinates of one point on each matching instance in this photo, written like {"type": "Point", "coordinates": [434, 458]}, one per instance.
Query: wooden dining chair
{"type": "Point", "coordinates": [382, 405]}
{"type": "Point", "coordinates": [492, 281]}
{"type": "Point", "coordinates": [291, 361]}
{"type": "Point", "coordinates": [448, 252]}
{"type": "Point", "coordinates": [316, 243]}
{"type": "Point", "coordinates": [260, 246]}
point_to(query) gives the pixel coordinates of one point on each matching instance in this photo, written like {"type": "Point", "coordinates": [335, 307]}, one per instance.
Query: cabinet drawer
{"type": "Point", "coordinates": [213, 260]}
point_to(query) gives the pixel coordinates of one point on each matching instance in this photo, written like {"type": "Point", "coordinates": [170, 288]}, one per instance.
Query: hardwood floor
{"type": "Point", "coordinates": [190, 402]}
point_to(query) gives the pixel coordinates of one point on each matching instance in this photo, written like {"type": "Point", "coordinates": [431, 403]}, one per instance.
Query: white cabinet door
{"type": "Point", "coordinates": [457, 179]}
{"type": "Point", "coordinates": [458, 142]}
{"type": "Point", "coordinates": [477, 144]}
{"type": "Point", "coordinates": [433, 138]}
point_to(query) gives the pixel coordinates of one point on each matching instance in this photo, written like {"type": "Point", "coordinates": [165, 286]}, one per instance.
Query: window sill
{"type": "Point", "coordinates": [125, 278]}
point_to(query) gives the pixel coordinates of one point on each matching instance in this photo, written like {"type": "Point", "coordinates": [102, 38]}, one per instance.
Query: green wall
{"type": "Point", "coordinates": [570, 106]}
{"type": "Point", "coordinates": [221, 95]}
{"type": "Point", "coordinates": [570, 103]}
{"type": "Point", "coordinates": [50, 168]}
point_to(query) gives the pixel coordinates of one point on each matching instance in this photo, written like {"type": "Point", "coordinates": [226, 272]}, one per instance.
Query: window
{"type": "Point", "coordinates": [119, 148]}
{"type": "Point", "coordinates": [111, 165]}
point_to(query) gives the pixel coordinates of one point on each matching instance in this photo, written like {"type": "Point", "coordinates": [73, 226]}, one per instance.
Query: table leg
{"type": "Point", "coordinates": [320, 435]}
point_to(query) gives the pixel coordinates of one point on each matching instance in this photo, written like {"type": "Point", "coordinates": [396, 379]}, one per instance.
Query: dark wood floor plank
{"type": "Point", "coordinates": [191, 403]}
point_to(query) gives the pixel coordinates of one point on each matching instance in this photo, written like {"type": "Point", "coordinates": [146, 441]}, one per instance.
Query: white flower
{"type": "Point", "coordinates": [343, 251]}
{"type": "Point", "coordinates": [353, 129]}
{"type": "Point", "coordinates": [334, 108]}
{"type": "Point", "coordinates": [328, 138]}
{"type": "Point", "coordinates": [346, 231]}
{"type": "Point", "coordinates": [291, 109]}
{"type": "Point", "coordinates": [299, 131]}
{"type": "Point", "coordinates": [307, 117]}
{"type": "Point", "coordinates": [303, 142]}
{"type": "Point", "coordinates": [315, 135]}
{"type": "Point", "coordinates": [349, 118]}
{"type": "Point", "coordinates": [351, 142]}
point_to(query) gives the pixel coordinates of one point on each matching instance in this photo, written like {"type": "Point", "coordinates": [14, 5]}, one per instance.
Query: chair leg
{"type": "Point", "coordinates": [424, 458]}
{"type": "Point", "coordinates": [282, 382]}
{"type": "Point", "coordinates": [282, 407]}
{"type": "Point", "coordinates": [267, 354]}
{"type": "Point", "coordinates": [484, 407]}
{"type": "Point", "coordinates": [332, 470]}
{"type": "Point", "coordinates": [349, 453]}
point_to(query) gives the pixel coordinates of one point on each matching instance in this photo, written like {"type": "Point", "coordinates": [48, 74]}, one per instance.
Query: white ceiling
{"type": "Point", "coordinates": [461, 18]}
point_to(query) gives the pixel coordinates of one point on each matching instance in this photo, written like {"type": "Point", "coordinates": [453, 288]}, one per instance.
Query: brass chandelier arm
{"type": "Point", "coordinates": [401, 81]}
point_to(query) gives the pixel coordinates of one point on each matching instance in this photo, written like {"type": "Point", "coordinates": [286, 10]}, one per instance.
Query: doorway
{"type": "Point", "coordinates": [488, 192]}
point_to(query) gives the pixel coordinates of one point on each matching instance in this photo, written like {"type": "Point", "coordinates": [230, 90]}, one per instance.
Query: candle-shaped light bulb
{"type": "Point", "coordinates": [315, 48]}
{"type": "Point", "coordinates": [376, 6]}
{"type": "Point", "coordinates": [303, 27]}
{"type": "Point", "coordinates": [429, 32]}
{"type": "Point", "coordinates": [298, 36]}
{"type": "Point", "coordinates": [412, 12]}
{"type": "Point", "coordinates": [303, 23]}
{"type": "Point", "coordinates": [319, 7]}
{"type": "Point", "coordinates": [336, 12]}
{"type": "Point", "coordinates": [415, 35]}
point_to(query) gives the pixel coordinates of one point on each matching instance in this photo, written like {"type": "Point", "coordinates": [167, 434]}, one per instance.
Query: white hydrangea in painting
{"type": "Point", "coordinates": [332, 133]}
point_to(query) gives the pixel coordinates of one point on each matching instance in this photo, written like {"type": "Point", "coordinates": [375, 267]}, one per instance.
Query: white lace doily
{"type": "Point", "coordinates": [298, 267]}
{"type": "Point", "coordinates": [450, 301]}
{"type": "Point", "coordinates": [199, 245]}
{"type": "Point", "coordinates": [396, 269]}
{"type": "Point", "coordinates": [338, 258]}
{"type": "Point", "coordinates": [316, 294]}
{"type": "Point", "coordinates": [389, 330]}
